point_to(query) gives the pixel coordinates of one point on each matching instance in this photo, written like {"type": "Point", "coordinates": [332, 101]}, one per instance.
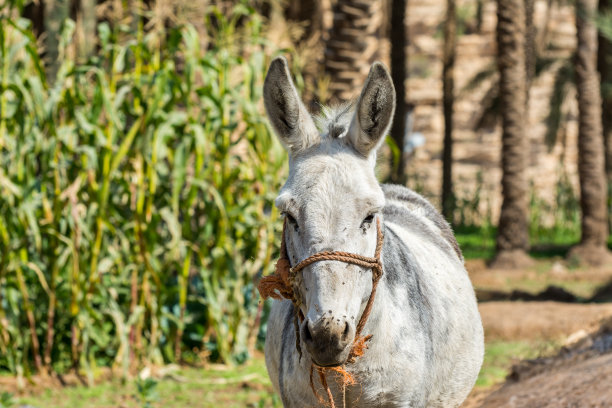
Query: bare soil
{"type": "Point", "coordinates": [511, 259]}
{"type": "Point", "coordinates": [582, 384]}
{"type": "Point", "coordinates": [539, 320]}
{"type": "Point", "coordinates": [579, 374]}
{"type": "Point", "coordinates": [543, 273]}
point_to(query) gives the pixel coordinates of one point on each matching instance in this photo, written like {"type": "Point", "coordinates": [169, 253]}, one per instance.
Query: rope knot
{"type": "Point", "coordinates": [283, 269]}
{"type": "Point", "coordinates": [280, 285]}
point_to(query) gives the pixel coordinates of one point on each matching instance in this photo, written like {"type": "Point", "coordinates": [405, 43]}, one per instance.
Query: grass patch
{"type": "Point", "coordinates": [218, 386]}
{"type": "Point", "coordinates": [478, 242]}
{"type": "Point", "coordinates": [243, 386]}
{"type": "Point", "coordinates": [501, 355]}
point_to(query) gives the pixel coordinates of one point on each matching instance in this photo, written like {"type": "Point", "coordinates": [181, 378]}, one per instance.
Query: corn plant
{"type": "Point", "coordinates": [136, 195]}
{"type": "Point", "coordinates": [6, 400]}
{"type": "Point", "coordinates": [146, 391]}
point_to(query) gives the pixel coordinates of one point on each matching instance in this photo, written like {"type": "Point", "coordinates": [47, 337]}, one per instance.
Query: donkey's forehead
{"type": "Point", "coordinates": [331, 179]}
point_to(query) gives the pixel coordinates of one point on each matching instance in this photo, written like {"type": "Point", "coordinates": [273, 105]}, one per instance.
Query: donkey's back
{"type": "Point", "coordinates": [411, 210]}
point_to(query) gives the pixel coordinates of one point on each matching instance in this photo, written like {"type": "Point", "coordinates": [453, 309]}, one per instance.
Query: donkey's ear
{"type": "Point", "coordinates": [374, 111]}
{"type": "Point", "coordinates": [292, 122]}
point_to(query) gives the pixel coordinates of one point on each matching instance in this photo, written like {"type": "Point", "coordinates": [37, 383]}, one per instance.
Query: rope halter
{"type": "Point", "coordinates": [281, 285]}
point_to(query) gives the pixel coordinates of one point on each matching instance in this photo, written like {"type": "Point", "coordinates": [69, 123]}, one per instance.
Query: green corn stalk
{"type": "Point", "coordinates": [28, 308]}
{"type": "Point", "coordinates": [183, 285]}
{"type": "Point", "coordinates": [136, 196]}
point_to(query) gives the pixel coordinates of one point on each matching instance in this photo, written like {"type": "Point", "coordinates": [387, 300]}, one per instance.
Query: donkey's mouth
{"type": "Point", "coordinates": [329, 365]}
{"type": "Point", "coordinates": [327, 359]}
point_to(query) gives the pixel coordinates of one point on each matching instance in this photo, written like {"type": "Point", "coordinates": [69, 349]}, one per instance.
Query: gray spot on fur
{"type": "Point", "coordinates": [402, 269]}
{"type": "Point", "coordinates": [407, 219]}
{"type": "Point", "coordinates": [286, 351]}
{"type": "Point", "coordinates": [415, 200]}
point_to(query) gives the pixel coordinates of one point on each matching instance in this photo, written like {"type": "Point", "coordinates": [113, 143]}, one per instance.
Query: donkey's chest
{"type": "Point", "coordinates": [394, 380]}
{"type": "Point", "coordinates": [395, 386]}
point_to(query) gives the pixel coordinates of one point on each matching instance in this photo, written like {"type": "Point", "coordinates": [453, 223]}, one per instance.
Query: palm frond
{"type": "Point", "coordinates": [488, 73]}
{"type": "Point", "coordinates": [564, 80]}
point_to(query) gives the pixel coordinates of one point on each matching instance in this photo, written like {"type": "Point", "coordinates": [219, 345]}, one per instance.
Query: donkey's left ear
{"type": "Point", "coordinates": [374, 111]}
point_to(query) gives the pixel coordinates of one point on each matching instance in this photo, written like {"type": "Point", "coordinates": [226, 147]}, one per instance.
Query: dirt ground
{"type": "Point", "coordinates": [586, 383]}
{"type": "Point", "coordinates": [539, 320]}
{"type": "Point", "coordinates": [582, 282]}
{"type": "Point", "coordinates": [579, 373]}
{"type": "Point", "coordinates": [579, 376]}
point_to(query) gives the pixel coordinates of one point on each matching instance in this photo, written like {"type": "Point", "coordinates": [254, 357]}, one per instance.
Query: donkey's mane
{"type": "Point", "coordinates": [333, 121]}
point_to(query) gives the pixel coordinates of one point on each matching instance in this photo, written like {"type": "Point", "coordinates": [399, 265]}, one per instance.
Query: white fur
{"type": "Point", "coordinates": [331, 189]}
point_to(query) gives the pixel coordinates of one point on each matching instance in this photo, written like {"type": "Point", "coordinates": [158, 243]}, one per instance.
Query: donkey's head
{"type": "Point", "coordinates": [331, 202]}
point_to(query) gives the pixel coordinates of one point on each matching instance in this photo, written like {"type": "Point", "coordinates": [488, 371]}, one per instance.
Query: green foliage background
{"type": "Point", "coordinates": [133, 190]}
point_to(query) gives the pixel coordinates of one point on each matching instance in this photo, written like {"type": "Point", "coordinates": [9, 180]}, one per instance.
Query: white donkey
{"type": "Point", "coordinates": [427, 340]}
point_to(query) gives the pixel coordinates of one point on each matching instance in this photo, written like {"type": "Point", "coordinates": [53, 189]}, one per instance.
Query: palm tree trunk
{"type": "Point", "coordinates": [399, 74]}
{"type": "Point", "coordinates": [479, 15]}
{"type": "Point", "coordinates": [542, 40]}
{"type": "Point", "coordinates": [530, 45]}
{"type": "Point", "coordinates": [312, 14]}
{"type": "Point", "coordinates": [34, 11]}
{"type": "Point", "coordinates": [604, 65]}
{"type": "Point", "coordinates": [512, 237]}
{"type": "Point", "coordinates": [87, 43]}
{"type": "Point", "coordinates": [305, 11]}
{"type": "Point", "coordinates": [352, 46]}
{"type": "Point", "coordinates": [592, 248]}
{"type": "Point", "coordinates": [56, 12]}
{"type": "Point", "coordinates": [448, 97]}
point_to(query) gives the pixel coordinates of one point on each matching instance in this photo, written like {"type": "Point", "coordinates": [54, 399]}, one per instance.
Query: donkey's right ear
{"type": "Point", "coordinates": [292, 122]}
{"type": "Point", "coordinates": [374, 111]}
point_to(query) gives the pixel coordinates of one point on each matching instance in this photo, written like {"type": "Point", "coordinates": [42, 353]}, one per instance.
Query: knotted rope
{"type": "Point", "coordinates": [281, 284]}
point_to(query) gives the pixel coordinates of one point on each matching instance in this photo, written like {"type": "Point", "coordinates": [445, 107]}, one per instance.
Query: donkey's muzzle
{"type": "Point", "coordinates": [328, 340]}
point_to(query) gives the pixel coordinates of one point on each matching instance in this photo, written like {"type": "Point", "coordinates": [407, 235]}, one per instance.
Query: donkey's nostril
{"type": "Point", "coordinates": [307, 332]}
{"type": "Point", "coordinates": [346, 331]}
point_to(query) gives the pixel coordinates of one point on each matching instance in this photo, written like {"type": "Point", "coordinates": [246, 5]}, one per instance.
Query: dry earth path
{"type": "Point", "coordinates": [578, 374]}
{"type": "Point", "coordinates": [539, 320]}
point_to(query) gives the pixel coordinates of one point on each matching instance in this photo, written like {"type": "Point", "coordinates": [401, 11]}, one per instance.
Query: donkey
{"type": "Point", "coordinates": [426, 347]}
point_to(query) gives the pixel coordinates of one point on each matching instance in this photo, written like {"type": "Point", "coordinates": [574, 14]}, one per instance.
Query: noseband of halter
{"type": "Point", "coordinates": [281, 284]}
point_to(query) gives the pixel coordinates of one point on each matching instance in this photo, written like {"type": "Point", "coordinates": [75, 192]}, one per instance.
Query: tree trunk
{"type": "Point", "coordinates": [311, 44]}
{"type": "Point", "coordinates": [88, 40]}
{"type": "Point", "coordinates": [448, 67]}
{"type": "Point", "coordinates": [530, 46]}
{"type": "Point", "coordinates": [352, 46]}
{"type": "Point", "coordinates": [512, 236]}
{"type": "Point", "coordinates": [306, 12]}
{"type": "Point", "coordinates": [542, 39]}
{"type": "Point", "coordinates": [479, 15]}
{"type": "Point", "coordinates": [34, 11]}
{"type": "Point", "coordinates": [398, 74]}
{"type": "Point", "coordinates": [592, 248]}
{"type": "Point", "coordinates": [56, 12]}
{"type": "Point", "coordinates": [604, 65]}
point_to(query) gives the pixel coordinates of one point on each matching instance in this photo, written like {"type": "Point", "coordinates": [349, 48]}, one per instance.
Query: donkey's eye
{"type": "Point", "coordinates": [290, 219]}
{"type": "Point", "coordinates": [367, 221]}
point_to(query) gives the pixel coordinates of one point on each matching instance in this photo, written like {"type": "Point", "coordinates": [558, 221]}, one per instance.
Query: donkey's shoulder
{"type": "Point", "coordinates": [411, 210]}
